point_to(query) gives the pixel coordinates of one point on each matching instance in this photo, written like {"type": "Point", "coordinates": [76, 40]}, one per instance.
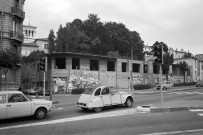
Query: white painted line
{"type": "Point", "coordinates": [200, 114]}
{"type": "Point", "coordinates": [196, 110]}
{"type": "Point", "coordinates": [175, 132]}
{"type": "Point", "coordinates": [187, 93]}
{"type": "Point", "coordinates": [197, 92]}
{"type": "Point", "coordinates": [86, 117]}
{"type": "Point", "coordinates": [57, 109]}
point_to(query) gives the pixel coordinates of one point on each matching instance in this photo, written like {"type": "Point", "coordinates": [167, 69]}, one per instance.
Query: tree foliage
{"type": "Point", "coordinates": [183, 68]}
{"type": "Point", "coordinates": [95, 37]}
{"type": "Point", "coordinates": [51, 39]}
{"type": "Point", "coordinates": [28, 69]}
{"type": "Point", "coordinates": [9, 60]}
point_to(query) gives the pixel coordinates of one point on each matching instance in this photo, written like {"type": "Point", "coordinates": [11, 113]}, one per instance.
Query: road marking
{"type": "Point", "coordinates": [196, 110]}
{"type": "Point", "coordinates": [175, 132]}
{"type": "Point", "coordinates": [188, 93]}
{"type": "Point", "coordinates": [85, 117]}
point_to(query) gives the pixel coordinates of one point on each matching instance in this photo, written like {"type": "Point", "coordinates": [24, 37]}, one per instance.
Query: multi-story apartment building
{"type": "Point", "coordinates": [11, 35]}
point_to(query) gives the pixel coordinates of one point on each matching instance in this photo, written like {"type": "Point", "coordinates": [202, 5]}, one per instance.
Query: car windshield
{"type": "Point", "coordinates": [88, 90]}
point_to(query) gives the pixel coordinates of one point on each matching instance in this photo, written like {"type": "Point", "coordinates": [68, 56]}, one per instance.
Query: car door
{"type": "Point", "coordinates": [2, 106]}
{"type": "Point", "coordinates": [115, 97]}
{"type": "Point", "coordinates": [106, 96]}
{"type": "Point", "coordinates": [18, 105]}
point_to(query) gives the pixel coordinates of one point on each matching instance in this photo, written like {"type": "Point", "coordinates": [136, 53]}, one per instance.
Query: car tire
{"type": "Point", "coordinates": [128, 102]}
{"type": "Point", "coordinates": [84, 109]}
{"type": "Point", "coordinates": [164, 88]}
{"type": "Point", "coordinates": [40, 113]}
{"type": "Point", "coordinates": [97, 109]}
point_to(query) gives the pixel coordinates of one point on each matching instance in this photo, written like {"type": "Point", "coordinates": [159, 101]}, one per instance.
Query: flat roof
{"type": "Point", "coordinates": [80, 54]}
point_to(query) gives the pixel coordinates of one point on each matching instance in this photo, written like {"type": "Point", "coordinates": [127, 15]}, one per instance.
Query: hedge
{"type": "Point", "coordinates": [142, 86]}
{"type": "Point", "coordinates": [184, 84]}
{"type": "Point", "coordinates": [77, 91]}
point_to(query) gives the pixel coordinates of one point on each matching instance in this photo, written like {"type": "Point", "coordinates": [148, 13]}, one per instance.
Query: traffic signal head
{"type": "Point", "coordinates": [43, 64]}
{"type": "Point", "coordinates": [158, 54]}
{"type": "Point", "coordinates": [42, 84]}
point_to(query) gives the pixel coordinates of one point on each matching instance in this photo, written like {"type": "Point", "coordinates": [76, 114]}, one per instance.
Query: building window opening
{"type": "Point", "coordinates": [124, 67]}
{"type": "Point", "coordinates": [60, 63]}
{"type": "Point", "coordinates": [94, 65]}
{"type": "Point", "coordinates": [75, 63]}
{"type": "Point", "coordinates": [136, 67]}
{"type": "Point", "coordinates": [145, 68]}
{"type": "Point", "coordinates": [110, 66]}
{"type": "Point", "coordinates": [32, 33]}
{"type": "Point", "coordinates": [155, 69]}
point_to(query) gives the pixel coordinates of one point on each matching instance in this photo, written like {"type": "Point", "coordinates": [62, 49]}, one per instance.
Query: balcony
{"type": "Point", "coordinates": [16, 36]}
{"type": "Point", "coordinates": [18, 12]}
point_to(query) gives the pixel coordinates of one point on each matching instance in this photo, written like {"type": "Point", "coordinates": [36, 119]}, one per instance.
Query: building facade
{"type": "Point", "coordinates": [67, 70]}
{"type": "Point", "coordinates": [11, 35]}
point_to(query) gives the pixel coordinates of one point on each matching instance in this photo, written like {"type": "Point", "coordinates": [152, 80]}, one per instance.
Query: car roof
{"type": "Point", "coordinates": [10, 92]}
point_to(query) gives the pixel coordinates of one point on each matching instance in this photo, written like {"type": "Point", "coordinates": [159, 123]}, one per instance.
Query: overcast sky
{"type": "Point", "coordinates": [178, 23]}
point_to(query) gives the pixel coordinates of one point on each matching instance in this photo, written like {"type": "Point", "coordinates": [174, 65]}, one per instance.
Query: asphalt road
{"type": "Point", "coordinates": [135, 123]}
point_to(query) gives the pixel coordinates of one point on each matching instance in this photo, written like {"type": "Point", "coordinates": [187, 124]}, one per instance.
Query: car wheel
{"type": "Point", "coordinates": [40, 113]}
{"type": "Point", "coordinates": [97, 109]}
{"type": "Point", "coordinates": [128, 102]}
{"type": "Point", "coordinates": [164, 88]}
{"type": "Point", "coordinates": [84, 109]}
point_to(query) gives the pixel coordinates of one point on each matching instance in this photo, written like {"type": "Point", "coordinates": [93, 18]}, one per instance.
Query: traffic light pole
{"type": "Point", "coordinates": [44, 86]}
{"type": "Point", "coordinates": [160, 76]}
{"type": "Point", "coordinates": [160, 83]}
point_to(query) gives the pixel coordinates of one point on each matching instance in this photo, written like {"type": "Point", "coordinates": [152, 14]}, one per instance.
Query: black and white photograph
{"type": "Point", "coordinates": [101, 67]}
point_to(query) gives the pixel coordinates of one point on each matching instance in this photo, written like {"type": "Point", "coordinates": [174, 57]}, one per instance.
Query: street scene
{"type": "Point", "coordinates": [101, 68]}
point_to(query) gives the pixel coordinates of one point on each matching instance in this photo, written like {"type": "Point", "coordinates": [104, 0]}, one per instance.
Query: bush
{"type": "Point", "coordinates": [142, 86]}
{"type": "Point", "coordinates": [77, 91]}
{"type": "Point", "coordinates": [184, 84]}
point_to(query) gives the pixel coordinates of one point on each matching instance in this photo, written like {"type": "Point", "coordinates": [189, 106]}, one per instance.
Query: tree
{"type": "Point", "coordinates": [28, 70]}
{"type": "Point", "coordinates": [51, 40]}
{"type": "Point", "coordinates": [183, 68]}
{"type": "Point", "coordinates": [95, 37]}
{"type": "Point", "coordinates": [168, 60]}
{"type": "Point", "coordinates": [9, 60]}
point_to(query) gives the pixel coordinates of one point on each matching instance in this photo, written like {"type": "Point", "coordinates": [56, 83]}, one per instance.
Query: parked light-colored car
{"type": "Point", "coordinates": [199, 83]}
{"type": "Point", "coordinates": [97, 97]}
{"type": "Point", "coordinates": [165, 85]}
{"type": "Point", "coordinates": [16, 104]}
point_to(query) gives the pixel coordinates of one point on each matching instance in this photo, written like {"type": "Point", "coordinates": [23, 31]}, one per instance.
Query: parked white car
{"type": "Point", "coordinates": [97, 97]}
{"type": "Point", "coordinates": [16, 104]}
{"type": "Point", "coordinates": [165, 85]}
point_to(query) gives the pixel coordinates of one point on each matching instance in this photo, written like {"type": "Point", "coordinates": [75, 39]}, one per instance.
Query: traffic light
{"type": "Point", "coordinates": [158, 50]}
{"type": "Point", "coordinates": [42, 83]}
{"type": "Point", "coordinates": [42, 64]}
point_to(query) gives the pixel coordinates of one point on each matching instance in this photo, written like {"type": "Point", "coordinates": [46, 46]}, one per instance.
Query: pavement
{"type": "Point", "coordinates": [176, 105]}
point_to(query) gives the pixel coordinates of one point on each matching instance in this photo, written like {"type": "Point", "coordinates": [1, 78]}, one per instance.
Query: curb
{"type": "Point", "coordinates": [148, 108]}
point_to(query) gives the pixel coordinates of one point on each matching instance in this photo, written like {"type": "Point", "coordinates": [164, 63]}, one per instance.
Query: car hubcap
{"type": "Point", "coordinates": [41, 114]}
{"type": "Point", "coordinates": [129, 103]}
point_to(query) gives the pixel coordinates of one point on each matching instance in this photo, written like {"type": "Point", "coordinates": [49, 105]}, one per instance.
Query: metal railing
{"type": "Point", "coordinates": [18, 12]}
{"type": "Point", "coordinates": [17, 36]}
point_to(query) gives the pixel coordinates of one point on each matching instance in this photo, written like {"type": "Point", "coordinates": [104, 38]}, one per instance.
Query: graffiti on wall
{"type": "Point", "coordinates": [137, 79]}
{"type": "Point", "coordinates": [81, 79]}
{"type": "Point", "coordinates": [60, 84]}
